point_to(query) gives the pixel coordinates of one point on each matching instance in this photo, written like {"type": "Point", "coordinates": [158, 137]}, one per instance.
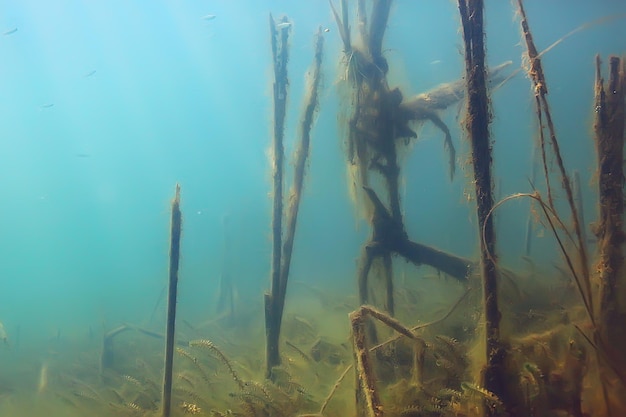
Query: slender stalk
{"type": "Point", "coordinates": [543, 111]}
{"type": "Point", "coordinates": [302, 155]}
{"type": "Point", "coordinates": [171, 303]}
{"type": "Point", "coordinates": [578, 199]}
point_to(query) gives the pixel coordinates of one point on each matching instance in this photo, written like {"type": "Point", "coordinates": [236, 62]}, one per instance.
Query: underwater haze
{"type": "Point", "coordinates": [106, 105]}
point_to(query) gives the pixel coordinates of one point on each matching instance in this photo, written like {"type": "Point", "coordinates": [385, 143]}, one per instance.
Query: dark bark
{"type": "Point", "coordinates": [477, 124]}
{"type": "Point", "coordinates": [176, 224]}
{"type": "Point", "coordinates": [609, 135]}
{"type": "Point", "coordinates": [274, 301]}
{"type": "Point", "coordinates": [283, 248]}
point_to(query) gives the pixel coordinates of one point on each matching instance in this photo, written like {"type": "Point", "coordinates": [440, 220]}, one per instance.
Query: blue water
{"type": "Point", "coordinates": [106, 105]}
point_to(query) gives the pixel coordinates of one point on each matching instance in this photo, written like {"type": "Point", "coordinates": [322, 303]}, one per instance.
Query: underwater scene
{"type": "Point", "coordinates": [312, 208]}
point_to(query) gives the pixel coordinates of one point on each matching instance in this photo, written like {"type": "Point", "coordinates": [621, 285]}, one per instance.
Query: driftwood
{"type": "Point", "coordinates": [358, 325]}
{"type": "Point", "coordinates": [367, 392]}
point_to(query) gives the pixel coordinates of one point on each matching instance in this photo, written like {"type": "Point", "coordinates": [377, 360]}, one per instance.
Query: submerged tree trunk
{"type": "Point", "coordinates": [609, 135]}
{"type": "Point", "coordinates": [477, 124]}
{"type": "Point", "coordinates": [274, 300]}
{"type": "Point", "coordinates": [171, 304]}
{"type": "Point", "coordinates": [283, 247]}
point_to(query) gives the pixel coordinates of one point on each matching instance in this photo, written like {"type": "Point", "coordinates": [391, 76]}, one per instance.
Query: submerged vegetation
{"type": "Point", "coordinates": [499, 342]}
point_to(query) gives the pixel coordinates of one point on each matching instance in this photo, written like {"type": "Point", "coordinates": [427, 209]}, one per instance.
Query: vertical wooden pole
{"type": "Point", "coordinates": [273, 314]}
{"type": "Point", "coordinates": [171, 303]}
{"type": "Point", "coordinates": [281, 260]}
{"type": "Point", "coordinates": [609, 134]}
{"type": "Point", "coordinates": [477, 124]}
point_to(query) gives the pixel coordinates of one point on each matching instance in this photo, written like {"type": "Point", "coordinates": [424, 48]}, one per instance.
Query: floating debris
{"type": "Point", "coordinates": [283, 25]}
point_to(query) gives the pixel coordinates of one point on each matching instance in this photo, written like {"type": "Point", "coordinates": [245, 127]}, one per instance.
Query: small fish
{"type": "Point", "coordinates": [43, 378]}
{"type": "Point", "coordinates": [435, 62]}
{"type": "Point", "coordinates": [326, 30]}
{"type": "Point", "coordinates": [90, 74]}
{"type": "Point", "coordinates": [283, 25]}
{"type": "Point", "coordinates": [47, 105]}
{"type": "Point", "coordinates": [83, 155]}
{"type": "Point", "coordinates": [209, 17]}
{"type": "Point", "coordinates": [10, 32]}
